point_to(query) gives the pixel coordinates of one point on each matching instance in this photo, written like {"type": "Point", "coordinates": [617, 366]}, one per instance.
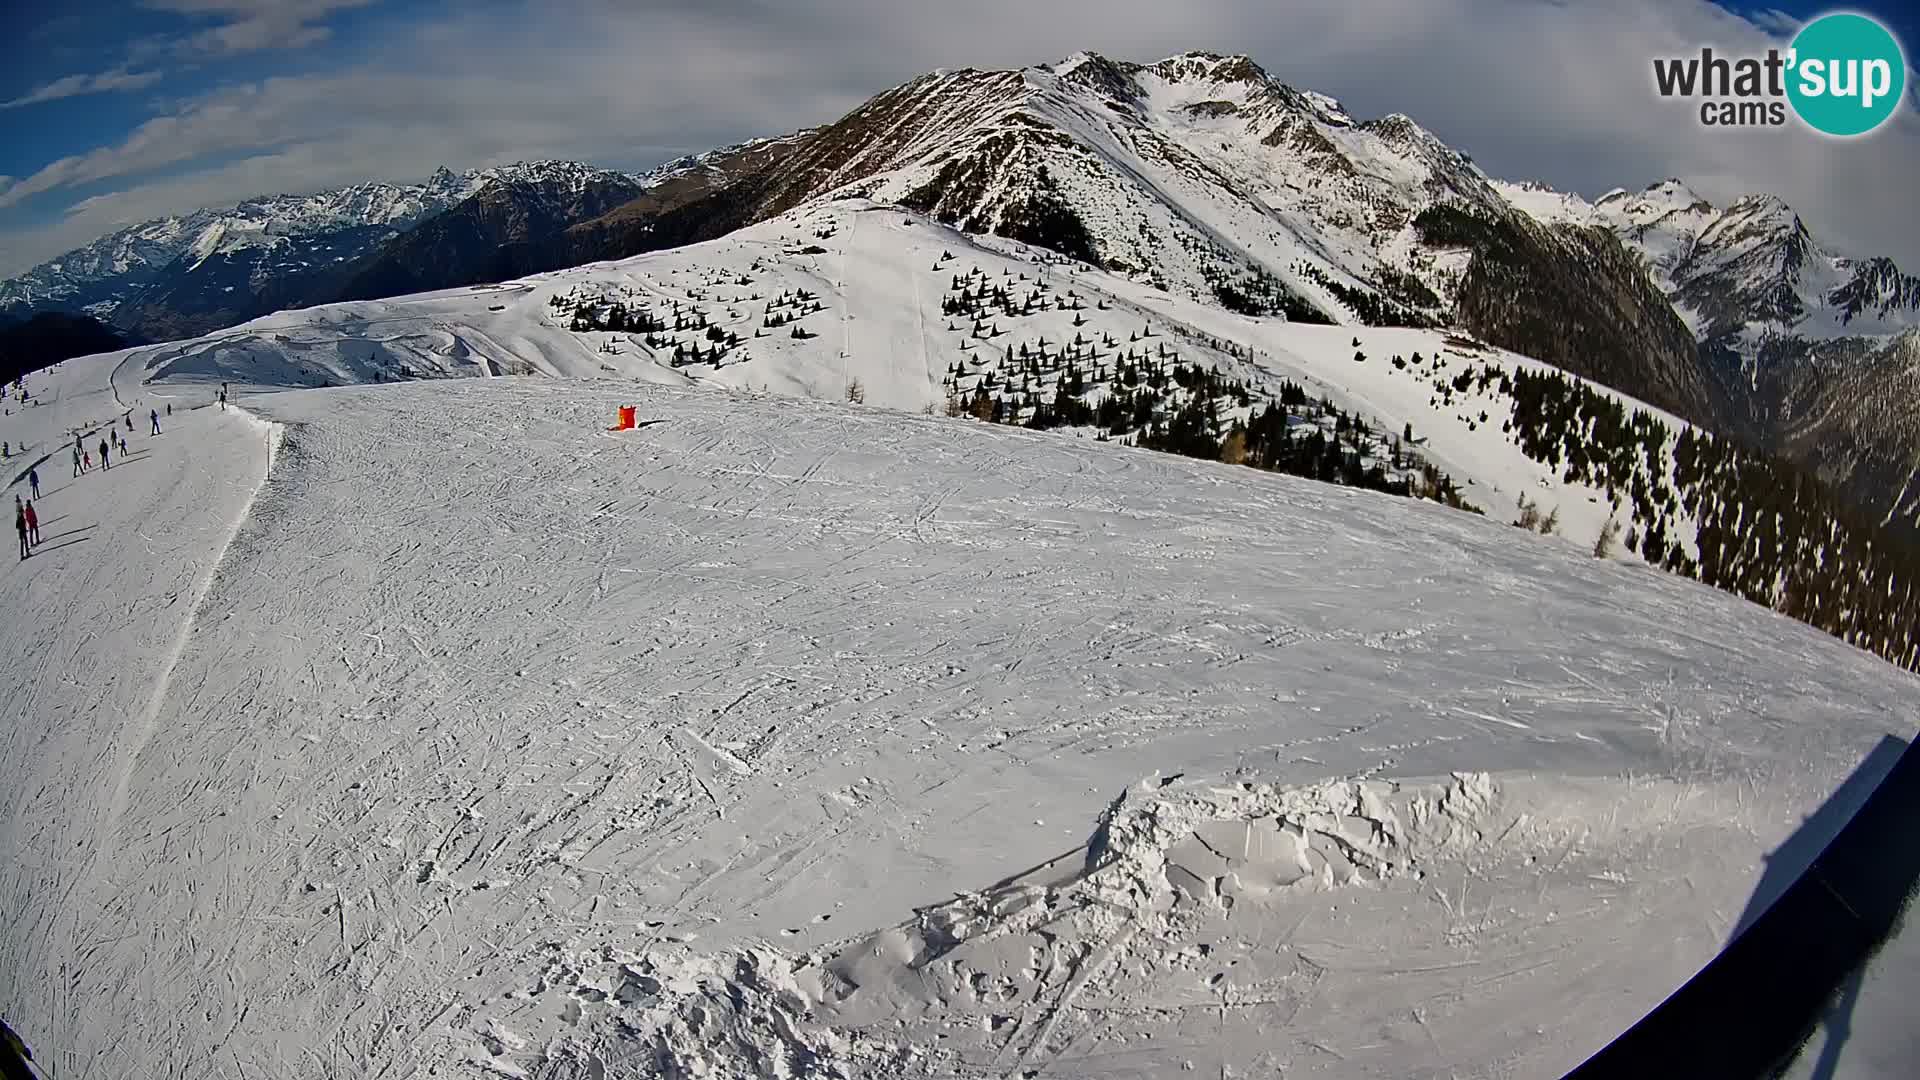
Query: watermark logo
{"type": "Point", "coordinates": [1843, 75]}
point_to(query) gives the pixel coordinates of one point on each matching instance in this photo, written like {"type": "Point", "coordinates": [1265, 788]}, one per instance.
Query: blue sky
{"type": "Point", "coordinates": [123, 110]}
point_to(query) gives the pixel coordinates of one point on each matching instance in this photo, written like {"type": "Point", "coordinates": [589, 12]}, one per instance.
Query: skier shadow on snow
{"type": "Point", "coordinates": [44, 548]}
{"type": "Point", "coordinates": [1832, 895]}
{"type": "Point", "coordinates": [54, 542]}
{"type": "Point", "coordinates": [21, 478]}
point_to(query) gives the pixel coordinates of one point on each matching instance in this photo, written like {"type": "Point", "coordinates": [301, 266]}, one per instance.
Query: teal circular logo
{"type": "Point", "coordinates": [1847, 74]}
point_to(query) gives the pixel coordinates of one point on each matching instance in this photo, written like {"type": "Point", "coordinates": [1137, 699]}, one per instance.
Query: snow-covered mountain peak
{"type": "Point", "coordinates": [1076, 61]}
{"type": "Point", "coordinates": [1673, 191]}
{"type": "Point", "coordinates": [1212, 68]}
{"type": "Point", "coordinates": [1552, 206]}
{"type": "Point", "coordinates": [568, 175]}
{"type": "Point", "coordinates": [1743, 273]}
{"type": "Point", "coordinates": [1760, 207]}
{"type": "Point", "coordinates": [1400, 130]}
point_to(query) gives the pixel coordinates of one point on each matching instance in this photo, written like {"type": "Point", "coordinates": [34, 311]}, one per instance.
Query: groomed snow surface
{"type": "Point", "coordinates": [433, 729]}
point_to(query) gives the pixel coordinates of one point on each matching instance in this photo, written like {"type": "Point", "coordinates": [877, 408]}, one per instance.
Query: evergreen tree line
{"type": "Point", "coordinates": [1176, 407]}
{"type": "Point", "coordinates": [1767, 531]}
{"type": "Point", "coordinates": [710, 345]}
{"type": "Point", "coordinates": [1257, 292]}
{"type": "Point", "coordinates": [977, 297]}
{"type": "Point", "coordinates": [1373, 308]}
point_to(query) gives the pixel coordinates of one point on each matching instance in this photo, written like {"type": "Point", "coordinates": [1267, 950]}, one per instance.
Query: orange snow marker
{"type": "Point", "coordinates": [626, 419]}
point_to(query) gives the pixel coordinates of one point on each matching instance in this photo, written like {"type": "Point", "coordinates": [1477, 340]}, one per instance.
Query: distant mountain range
{"type": "Point", "coordinates": [187, 274]}
{"type": "Point", "coordinates": [1200, 174]}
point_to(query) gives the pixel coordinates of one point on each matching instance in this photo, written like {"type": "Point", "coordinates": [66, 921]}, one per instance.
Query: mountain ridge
{"type": "Point", "coordinates": [262, 241]}
{"type": "Point", "coordinates": [1203, 175]}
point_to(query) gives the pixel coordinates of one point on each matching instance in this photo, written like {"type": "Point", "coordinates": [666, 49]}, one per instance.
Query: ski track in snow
{"type": "Point", "coordinates": [505, 745]}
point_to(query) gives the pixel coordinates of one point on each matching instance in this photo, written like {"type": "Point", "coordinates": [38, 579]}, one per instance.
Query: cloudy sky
{"type": "Point", "coordinates": [115, 111]}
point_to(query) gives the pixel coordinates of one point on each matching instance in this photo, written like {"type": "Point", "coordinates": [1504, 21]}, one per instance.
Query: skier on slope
{"type": "Point", "coordinates": [33, 524]}
{"type": "Point", "coordinates": [76, 461]}
{"type": "Point", "coordinates": [106, 455]}
{"type": "Point", "coordinates": [154, 415]}
{"type": "Point", "coordinates": [33, 481]}
{"type": "Point", "coordinates": [20, 526]}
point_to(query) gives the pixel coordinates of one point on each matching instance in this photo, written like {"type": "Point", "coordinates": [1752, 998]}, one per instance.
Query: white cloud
{"type": "Point", "coordinates": [252, 25]}
{"type": "Point", "coordinates": [118, 79]}
{"type": "Point", "coordinates": [1777, 22]}
{"type": "Point", "coordinates": [1559, 92]}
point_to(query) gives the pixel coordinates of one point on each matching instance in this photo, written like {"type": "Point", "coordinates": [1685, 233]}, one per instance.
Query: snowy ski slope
{"type": "Point", "coordinates": [878, 277]}
{"type": "Point", "coordinates": [434, 729]}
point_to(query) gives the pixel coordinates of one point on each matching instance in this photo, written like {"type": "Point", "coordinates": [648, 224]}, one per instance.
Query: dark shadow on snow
{"type": "Point", "coordinates": [1831, 896]}
{"type": "Point", "coordinates": [48, 545]}
{"type": "Point", "coordinates": [35, 466]}
{"type": "Point", "coordinates": [48, 539]}
{"type": "Point", "coordinates": [1786, 863]}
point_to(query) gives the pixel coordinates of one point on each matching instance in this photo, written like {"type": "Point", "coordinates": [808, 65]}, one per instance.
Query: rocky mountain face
{"type": "Point", "coordinates": [1810, 353]}
{"type": "Point", "coordinates": [1575, 297]}
{"type": "Point", "coordinates": [682, 203]}
{"type": "Point", "coordinates": [504, 230]}
{"type": "Point", "coordinates": [1853, 417]}
{"type": "Point", "coordinates": [1203, 175]}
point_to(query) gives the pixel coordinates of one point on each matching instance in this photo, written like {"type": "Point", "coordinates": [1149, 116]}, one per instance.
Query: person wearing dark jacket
{"type": "Point", "coordinates": [20, 526]}
{"type": "Point", "coordinates": [106, 459]}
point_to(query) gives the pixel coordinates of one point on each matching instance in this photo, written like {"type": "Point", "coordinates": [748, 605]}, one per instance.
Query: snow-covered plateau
{"type": "Point", "coordinates": [433, 729]}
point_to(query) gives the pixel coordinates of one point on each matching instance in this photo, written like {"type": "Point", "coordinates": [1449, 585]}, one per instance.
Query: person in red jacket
{"type": "Point", "coordinates": [33, 525]}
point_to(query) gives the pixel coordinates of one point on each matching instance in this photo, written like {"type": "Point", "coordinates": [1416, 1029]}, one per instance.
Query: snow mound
{"type": "Point", "coordinates": [1163, 861]}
